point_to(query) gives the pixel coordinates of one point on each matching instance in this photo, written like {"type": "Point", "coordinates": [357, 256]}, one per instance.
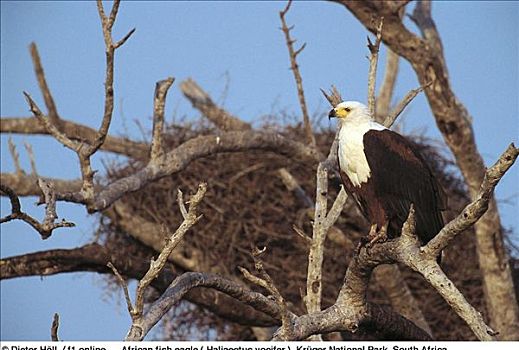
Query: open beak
{"type": "Point", "coordinates": [332, 114]}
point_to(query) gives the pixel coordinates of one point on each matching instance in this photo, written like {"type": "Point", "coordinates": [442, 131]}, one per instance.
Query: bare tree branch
{"type": "Point", "coordinates": [16, 157]}
{"type": "Point", "coordinates": [77, 132]}
{"type": "Point", "coordinates": [107, 24]}
{"type": "Point", "coordinates": [161, 91]}
{"type": "Point", "coordinates": [297, 75]}
{"type": "Point", "coordinates": [383, 101]}
{"type": "Point", "coordinates": [203, 102]}
{"type": "Point", "coordinates": [373, 62]}
{"type": "Point", "coordinates": [316, 253]}
{"type": "Point", "coordinates": [351, 311]}
{"type": "Point", "coordinates": [385, 94]}
{"type": "Point", "coordinates": [94, 257]}
{"type": "Point", "coordinates": [32, 159]}
{"type": "Point", "coordinates": [51, 128]}
{"type": "Point", "coordinates": [54, 328]}
{"type": "Point", "coordinates": [307, 240]}
{"type": "Point", "coordinates": [475, 210]}
{"type": "Point", "coordinates": [266, 282]}
{"type": "Point", "coordinates": [394, 285]}
{"type": "Point", "coordinates": [293, 186]}
{"type": "Point", "coordinates": [156, 266]}
{"type": "Point", "coordinates": [190, 280]}
{"type": "Point", "coordinates": [408, 254]}
{"type": "Point", "coordinates": [27, 185]}
{"type": "Point", "coordinates": [48, 225]}
{"type": "Point", "coordinates": [44, 87]}
{"type": "Point", "coordinates": [198, 147]}
{"type": "Point", "coordinates": [83, 150]}
{"type": "Point", "coordinates": [140, 228]}
{"type": "Point", "coordinates": [181, 204]}
{"type": "Point", "coordinates": [124, 287]}
{"type": "Point", "coordinates": [391, 117]}
{"type": "Point", "coordinates": [323, 221]}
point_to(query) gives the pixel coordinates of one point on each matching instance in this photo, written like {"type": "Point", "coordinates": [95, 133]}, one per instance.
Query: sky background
{"type": "Point", "coordinates": [215, 43]}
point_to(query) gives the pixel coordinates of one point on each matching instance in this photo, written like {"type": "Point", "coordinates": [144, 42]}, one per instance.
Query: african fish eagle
{"type": "Point", "coordinates": [384, 172]}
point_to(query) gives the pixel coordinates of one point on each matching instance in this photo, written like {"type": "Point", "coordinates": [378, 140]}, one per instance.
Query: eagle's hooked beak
{"type": "Point", "coordinates": [332, 114]}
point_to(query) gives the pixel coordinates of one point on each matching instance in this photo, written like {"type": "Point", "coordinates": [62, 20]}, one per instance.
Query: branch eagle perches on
{"type": "Point", "coordinates": [351, 309]}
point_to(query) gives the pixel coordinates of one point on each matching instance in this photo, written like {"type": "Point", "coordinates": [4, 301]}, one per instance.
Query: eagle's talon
{"type": "Point", "coordinates": [373, 237]}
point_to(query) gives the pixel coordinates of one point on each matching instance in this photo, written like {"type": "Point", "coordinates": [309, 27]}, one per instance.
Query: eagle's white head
{"type": "Point", "coordinates": [351, 112]}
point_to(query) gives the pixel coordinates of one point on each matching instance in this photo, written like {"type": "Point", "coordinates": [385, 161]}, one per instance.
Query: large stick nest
{"type": "Point", "coordinates": [248, 205]}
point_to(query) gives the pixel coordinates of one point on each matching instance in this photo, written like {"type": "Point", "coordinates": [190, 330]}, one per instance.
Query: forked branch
{"type": "Point", "coordinates": [44, 228]}
{"type": "Point", "coordinates": [297, 75]}
{"type": "Point", "coordinates": [265, 281]}
{"type": "Point", "coordinates": [82, 149]}
{"type": "Point", "coordinates": [472, 212]}
{"type": "Point", "coordinates": [393, 115]}
{"type": "Point", "coordinates": [138, 329]}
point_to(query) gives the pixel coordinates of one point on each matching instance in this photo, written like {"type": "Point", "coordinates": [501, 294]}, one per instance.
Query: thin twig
{"type": "Point", "coordinates": [54, 328]}
{"type": "Point", "coordinates": [48, 225]}
{"type": "Point", "coordinates": [51, 128]}
{"type": "Point", "coordinates": [107, 24]}
{"type": "Point", "coordinates": [253, 279]}
{"type": "Point", "coordinates": [333, 97]}
{"type": "Point", "coordinates": [156, 266]}
{"type": "Point", "coordinates": [373, 62]}
{"type": "Point", "coordinates": [266, 282]}
{"type": "Point", "coordinates": [307, 240]}
{"type": "Point", "coordinates": [44, 87]}
{"type": "Point", "coordinates": [161, 91]}
{"type": "Point", "coordinates": [123, 40]}
{"type": "Point", "coordinates": [293, 185]}
{"type": "Point", "coordinates": [337, 207]}
{"type": "Point", "coordinates": [15, 156]}
{"type": "Point", "coordinates": [385, 94]}
{"type": "Point", "coordinates": [390, 119]}
{"type": "Point", "coordinates": [32, 158]}
{"type": "Point", "coordinates": [297, 75]}
{"type": "Point", "coordinates": [124, 286]}
{"type": "Point", "coordinates": [181, 204]}
{"type": "Point", "coordinates": [139, 320]}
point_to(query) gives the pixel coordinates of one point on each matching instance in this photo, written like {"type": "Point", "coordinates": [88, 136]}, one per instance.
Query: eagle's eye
{"type": "Point", "coordinates": [347, 109]}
